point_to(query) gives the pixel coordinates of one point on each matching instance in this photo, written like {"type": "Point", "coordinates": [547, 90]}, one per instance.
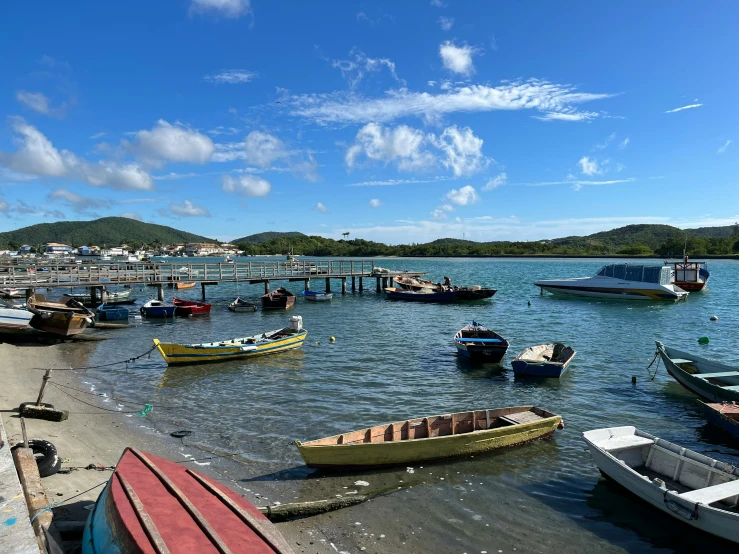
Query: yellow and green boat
{"type": "Point", "coordinates": [431, 438]}
{"type": "Point", "coordinates": [270, 342]}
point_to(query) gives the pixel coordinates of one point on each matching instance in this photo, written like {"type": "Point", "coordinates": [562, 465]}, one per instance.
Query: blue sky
{"type": "Point", "coordinates": [394, 121]}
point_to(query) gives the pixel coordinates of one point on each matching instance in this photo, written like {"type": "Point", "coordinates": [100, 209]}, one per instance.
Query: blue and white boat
{"type": "Point", "coordinates": [157, 308]}
{"type": "Point", "coordinates": [11, 318]}
{"type": "Point", "coordinates": [107, 312]}
{"type": "Point", "coordinates": [480, 343]}
{"type": "Point", "coordinates": [544, 360]}
{"type": "Point", "coordinates": [313, 296]}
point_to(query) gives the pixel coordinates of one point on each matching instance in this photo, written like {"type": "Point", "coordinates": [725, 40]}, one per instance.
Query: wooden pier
{"type": "Point", "coordinates": [98, 276]}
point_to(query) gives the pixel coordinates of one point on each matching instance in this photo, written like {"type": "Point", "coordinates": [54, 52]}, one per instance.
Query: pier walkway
{"type": "Point", "coordinates": [97, 276]}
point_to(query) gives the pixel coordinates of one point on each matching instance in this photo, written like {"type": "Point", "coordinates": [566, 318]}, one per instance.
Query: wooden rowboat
{"type": "Point", "coordinates": [422, 295]}
{"type": "Point", "coordinates": [187, 308]}
{"type": "Point", "coordinates": [313, 296]}
{"type": "Point", "coordinates": [692, 488]}
{"type": "Point", "coordinates": [278, 299]}
{"type": "Point", "coordinates": [725, 416]}
{"type": "Point", "coordinates": [181, 285]}
{"type": "Point", "coordinates": [479, 343]}
{"type": "Point", "coordinates": [157, 308]}
{"type": "Point", "coordinates": [153, 505]}
{"type": "Point", "coordinates": [431, 438]}
{"type": "Point", "coordinates": [240, 305]}
{"type": "Point", "coordinates": [708, 379]}
{"type": "Point", "coordinates": [270, 342]}
{"type": "Point", "coordinates": [66, 319]}
{"type": "Point", "coordinates": [544, 360]}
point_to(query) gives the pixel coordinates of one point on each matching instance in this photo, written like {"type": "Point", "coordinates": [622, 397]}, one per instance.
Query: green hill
{"type": "Point", "coordinates": [110, 231]}
{"type": "Point", "coordinates": [267, 236]}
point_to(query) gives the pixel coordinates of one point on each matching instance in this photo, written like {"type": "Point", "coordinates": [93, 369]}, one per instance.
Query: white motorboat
{"type": "Point", "coordinates": [620, 281]}
{"type": "Point", "coordinates": [691, 487]}
{"type": "Point", "coordinates": [10, 318]}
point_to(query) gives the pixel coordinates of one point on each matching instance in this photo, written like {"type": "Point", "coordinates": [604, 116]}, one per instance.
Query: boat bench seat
{"type": "Point", "coordinates": [465, 339]}
{"type": "Point", "coordinates": [713, 494]}
{"type": "Point", "coordinates": [718, 375]}
{"type": "Point", "coordinates": [625, 442]}
{"type": "Point", "coordinates": [678, 361]}
{"type": "Point", "coordinates": [733, 387]}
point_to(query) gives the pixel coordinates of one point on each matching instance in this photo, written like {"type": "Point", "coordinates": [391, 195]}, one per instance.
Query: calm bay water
{"type": "Point", "coordinates": [394, 360]}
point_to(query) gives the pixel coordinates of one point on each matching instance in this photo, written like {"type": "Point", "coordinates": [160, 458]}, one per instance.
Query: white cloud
{"type": "Point", "coordinates": [603, 145]}
{"type": "Point", "coordinates": [556, 102]}
{"type": "Point", "coordinates": [495, 182]}
{"type": "Point", "coordinates": [624, 143]}
{"type": "Point", "coordinates": [231, 9]}
{"type": "Point", "coordinates": [438, 3]}
{"type": "Point", "coordinates": [688, 107]}
{"type": "Point", "coordinates": [463, 197]}
{"type": "Point", "coordinates": [246, 185]}
{"type": "Point", "coordinates": [262, 149]}
{"type": "Point", "coordinates": [188, 209]}
{"type": "Point", "coordinates": [4, 207]}
{"type": "Point", "coordinates": [375, 203]}
{"type": "Point", "coordinates": [78, 203]}
{"type": "Point", "coordinates": [588, 166]}
{"type": "Point", "coordinates": [402, 145]}
{"type": "Point", "coordinates": [174, 143]}
{"type": "Point", "coordinates": [457, 59]}
{"type": "Point", "coordinates": [397, 182]}
{"type": "Point", "coordinates": [354, 70]}
{"type": "Point", "coordinates": [320, 207]}
{"type": "Point", "coordinates": [724, 147]}
{"type": "Point", "coordinates": [572, 180]}
{"type": "Point", "coordinates": [221, 130]}
{"type": "Point", "coordinates": [446, 23]}
{"type": "Point", "coordinates": [463, 151]}
{"type": "Point", "coordinates": [132, 215]}
{"type": "Point", "coordinates": [37, 101]}
{"type": "Point", "coordinates": [231, 77]}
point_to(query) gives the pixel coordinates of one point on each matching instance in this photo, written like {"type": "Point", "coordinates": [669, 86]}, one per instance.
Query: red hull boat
{"type": "Point", "coordinates": [186, 308]}
{"type": "Point", "coordinates": [152, 505]}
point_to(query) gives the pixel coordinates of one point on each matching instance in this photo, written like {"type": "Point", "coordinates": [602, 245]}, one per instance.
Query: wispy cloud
{"type": "Point", "coordinates": [608, 140]}
{"type": "Point", "coordinates": [446, 23]}
{"type": "Point", "coordinates": [398, 182]}
{"type": "Point", "coordinates": [359, 64]}
{"type": "Point", "coordinates": [724, 147]}
{"type": "Point", "coordinates": [375, 203]}
{"type": "Point", "coordinates": [688, 107]}
{"type": "Point", "coordinates": [321, 207]}
{"type": "Point", "coordinates": [588, 166]}
{"type": "Point", "coordinates": [231, 9]}
{"type": "Point", "coordinates": [495, 182]}
{"type": "Point", "coordinates": [232, 77]}
{"type": "Point", "coordinates": [624, 143]}
{"type": "Point", "coordinates": [556, 102]}
{"type": "Point", "coordinates": [579, 183]}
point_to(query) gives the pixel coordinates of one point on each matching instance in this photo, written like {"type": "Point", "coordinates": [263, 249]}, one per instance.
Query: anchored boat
{"type": "Point", "coordinates": [471, 292]}
{"type": "Point", "coordinates": [477, 342]}
{"type": "Point", "coordinates": [431, 438]}
{"type": "Point", "coordinates": [423, 295]}
{"type": "Point", "coordinates": [724, 415]}
{"type": "Point", "coordinates": [692, 488]}
{"type": "Point", "coordinates": [187, 308]}
{"type": "Point", "coordinates": [184, 285]}
{"type": "Point", "coordinates": [545, 360]}
{"type": "Point", "coordinates": [278, 299]}
{"type": "Point", "coordinates": [689, 276]}
{"type": "Point", "coordinates": [157, 308]}
{"type": "Point", "coordinates": [107, 312]}
{"type": "Point", "coordinates": [708, 379]}
{"type": "Point", "coordinates": [11, 318]}
{"type": "Point", "coordinates": [240, 305]}
{"type": "Point", "coordinates": [270, 342]}
{"type": "Point", "coordinates": [153, 505]}
{"type": "Point", "coordinates": [313, 296]}
{"type": "Point", "coordinates": [620, 281]}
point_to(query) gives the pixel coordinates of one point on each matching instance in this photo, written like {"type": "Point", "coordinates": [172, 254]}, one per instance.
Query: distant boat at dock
{"type": "Point", "coordinates": [184, 285]}
{"type": "Point", "coordinates": [479, 343]}
{"type": "Point", "coordinates": [157, 308]}
{"type": "Point", "coordinates": [313, 296]}
{"type": "Point", "coordinates": [430, 438]}
{"type": "Point", "coordinates": [544, 360]}
{"type": "Point", "coordinates": [240, 305]}
{"type": "Point", "coordinates": [689, 276]}
{"type": "Point", "coordinates": [270, 342]}
{"type": "Point", "coordinates": [467, 292]}
{"type": "Point", "coordinates": [278, 299]}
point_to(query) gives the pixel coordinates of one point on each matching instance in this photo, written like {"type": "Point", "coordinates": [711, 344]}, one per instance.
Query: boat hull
{"type": "Point", "coordinates": [242, 308]}
{"type": "Point", "coordinates": [61, 323]}
{"type": "Point", "coordinates": [555, 371]}
{"type": "Point", "coordinates": [411, 296]}
{"type": "Point", "coordinates": [474, 294]}
{"type": "Point", "coordinates": [403, 451]}
{"type": "Point", "coordinates": [319, 297]}
{"type": "Point", "coordinates": [14, 319]}
{"type": "Point", "coordinates": [490, 354]}
{"type": "Point", "coordinates": [616, 294]}
{"type": "Point", "coordinates": [701, 387]}
{"type": "Point", "coordinates": [180, 354]}
{"type": "Point", "coordinates": [158, 311]}
{"type": "Point", "coordinates": [112, 314]}
{"type": "Point", "coordinates": [716, 417]}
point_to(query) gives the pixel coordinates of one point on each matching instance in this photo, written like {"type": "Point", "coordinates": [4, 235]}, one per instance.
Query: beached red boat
{"type": "Point", "coordinates": [153, 505]}
{"type": "Point", "coordinates": [186, 308]}
{"type": "Point", "coordinates": [278, 299]}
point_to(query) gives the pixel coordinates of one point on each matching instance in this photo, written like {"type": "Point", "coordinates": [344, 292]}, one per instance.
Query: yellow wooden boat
{"type": "Point", "coordinates": [431, 438]}
{"type": "Point", "coordinates": [270, 342]}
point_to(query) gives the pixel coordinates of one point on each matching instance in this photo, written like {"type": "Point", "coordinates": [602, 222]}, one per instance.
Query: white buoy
{"type": "Point", "coordinates": [714, 318]}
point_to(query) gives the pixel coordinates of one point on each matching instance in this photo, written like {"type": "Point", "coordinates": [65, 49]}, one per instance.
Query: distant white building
{"type": "Point", "coordinates": [202, 249]}
{"type": "Point", "coordinates": [57, 249]}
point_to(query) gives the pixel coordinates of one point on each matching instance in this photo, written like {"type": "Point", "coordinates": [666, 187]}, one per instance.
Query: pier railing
{"type": "Point", "coordinates": [157, 273]}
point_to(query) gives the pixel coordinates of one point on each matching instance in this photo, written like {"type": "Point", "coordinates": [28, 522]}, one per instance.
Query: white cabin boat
{"type": "Point", "coordinates": [620, 281]}
{"type": "Point", "coordinates": [691, 487]}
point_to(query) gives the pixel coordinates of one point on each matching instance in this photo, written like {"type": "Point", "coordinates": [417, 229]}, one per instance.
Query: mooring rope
{"type": "Point", "coordinates": [126, 361]}
{"type": "Point", "coordinates": [653, 375]}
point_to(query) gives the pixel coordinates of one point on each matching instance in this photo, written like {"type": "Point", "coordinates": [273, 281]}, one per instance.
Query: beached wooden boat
{"type": "Point", "coordinates": [278, 299]}
{"type": "Point", "coordinates": [11, 318]}
{"type": "Point", "coordinates": [66, 319]}
{"type": "Point", "coordinates": [270, 342]}
{"type": "Point", "coordinates": [184, 285]}
{"type": "Point", "coordinates": [423, 295]}
{"type": "Point", "coordinates": [544, 360]}
{"type": "Point", "coordinates": [479, 343]}
{"type": "Point", "coordinates": [153, 505]}
{"type": "Point", "coordinates": [188, 308]}
{"type": "Point", "coordinates": [708, 379]}
{"type": "Point", "coordinates": [313, 296]}
{"type": "Point", "coordinates": [724, 415]}
{"type": "Point", "coordinates": [157, 308]}
{"type": "Point", "coordinates": [240, 305]}
{"type": "Point", "coordinates": [688, 486]}
{"type": "Point", "coordinates": [431, 438]}
{"type": "Point", "coordinates": [107, 312]}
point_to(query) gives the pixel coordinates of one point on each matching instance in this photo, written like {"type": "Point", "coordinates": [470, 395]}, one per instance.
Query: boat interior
{"type": "Point", "coordinates": [556, 353]}
{"type": "Point", "coordinates": [478, 334]}
{"type": "Point", "coordinates": [279, 334]}
{"type": "Point", "coordinates": [695, 477]}
{"type": "Point", "coordinates": [637, 273]}
{"type": "Point", "coordinates": [39, 302]}
{"type": "Point", "coordinates": [727, 379]}
{"type": "Point", "coordinates": [438, 426]}
{"type": "Point", "coordinates": [729, 411]}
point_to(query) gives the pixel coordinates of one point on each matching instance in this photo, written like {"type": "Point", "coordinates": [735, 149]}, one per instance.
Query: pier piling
{"type": "Point", "coordinates": [343, 285]}
{"type": "Point", "coordinates": [328, 285]}
{"type": "Point", "coordinates": [202, 291]}
{"type": "Point", "coordinates": [307, 284]}
{"type": "Point", "coordinates": [378, 289]}
{"type": "Point", "coordinates": [266, 287]}
{"type": "Point", "coordinates": [361, 285]}
{"type": "Point", "coordinates": [354, 283]}
{"type": "Point", "coordinates": [160, 293]}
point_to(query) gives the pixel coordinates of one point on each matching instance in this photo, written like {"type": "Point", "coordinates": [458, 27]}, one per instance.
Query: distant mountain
{"type": "Point", "coordinates": [651, 236]}
{"type": "Point", "coordinates": [110, 231]}
{"type": "Point", "coordinates": [267, 236]}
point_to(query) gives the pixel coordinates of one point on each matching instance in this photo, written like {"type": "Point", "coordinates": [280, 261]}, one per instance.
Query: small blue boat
{"type": "Point", "coordinates": [157, 308]}
{"type": "Point", "coordinates": [107, 312]}
{"type": "Point", "coordinates": [724, 415]}
{"type": "Point", "coordinates": [480, 344]}
{"type": "Point", "coordinates": [544, 360]}
{"type": "Point", "coordinates": [313, 296]}
{"type": "Point", "coordinates": [420, 295]}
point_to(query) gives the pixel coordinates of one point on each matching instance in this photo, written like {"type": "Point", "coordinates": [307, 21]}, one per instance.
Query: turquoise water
{"type": "Point", "coordinates": [395, 360]}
